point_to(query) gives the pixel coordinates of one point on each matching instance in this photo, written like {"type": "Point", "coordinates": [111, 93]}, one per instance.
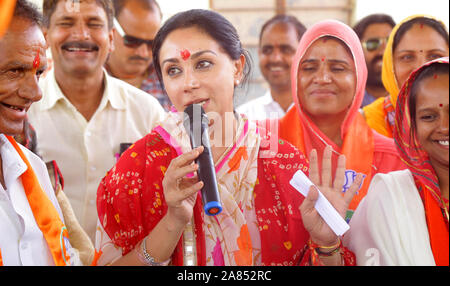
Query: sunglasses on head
{"type": "Point", "coordinates": [374, 43]}
{"type": "Point", "coordinates": [130, 41]}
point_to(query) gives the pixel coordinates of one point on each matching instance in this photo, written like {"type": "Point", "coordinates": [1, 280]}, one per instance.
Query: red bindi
{"type": "Point", "coordinates": [441, 105]}
{"type": "Point", "coordinates": [185, 55]}
{"type": "Point", "coordinates": [37, 60]}
{"type": "Point", "coordinates": [323, 59]}
{"type": "Point", "coordinates": [435, 76]}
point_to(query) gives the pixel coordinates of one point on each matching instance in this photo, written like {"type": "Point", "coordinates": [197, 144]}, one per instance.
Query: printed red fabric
{"type": "Point", "coordinates": [130, 201]}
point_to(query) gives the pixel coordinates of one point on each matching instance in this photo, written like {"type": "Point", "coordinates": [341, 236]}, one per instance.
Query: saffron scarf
{"type": "Point", "coordinates": [45, 214]}
{"type": "Point", "coordinates": [380, 115]}
{"type": "Point", "coordinates": [6, 14]}
{"type": "Point", "coordinates": [424, 175]}
{"type": "Point", "coordinates": [297, 128]}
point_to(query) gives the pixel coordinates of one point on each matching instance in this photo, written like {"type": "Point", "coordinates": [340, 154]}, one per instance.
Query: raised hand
{"type": "Point", "coordinates": [318, 229]}
{"type": "Point", "coordinates": [180, 192]}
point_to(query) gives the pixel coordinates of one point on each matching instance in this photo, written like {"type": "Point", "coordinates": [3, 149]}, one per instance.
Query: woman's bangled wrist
{"type": "Point", "coordinates": [145, 257]}
{"type": "Point", "coordinates": [326, 250]}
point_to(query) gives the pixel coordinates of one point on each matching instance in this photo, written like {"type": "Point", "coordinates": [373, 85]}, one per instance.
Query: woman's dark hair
{"type": "Point", "coordinates": [212, 23]}
{"type": "Point", "coordinates": [427, 72]}
{"type": "Point", "coordinates": [405, 27]}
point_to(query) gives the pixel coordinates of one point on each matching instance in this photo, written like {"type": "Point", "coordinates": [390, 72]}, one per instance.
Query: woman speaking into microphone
{"type": "Point", "coordinates": [149, 205]}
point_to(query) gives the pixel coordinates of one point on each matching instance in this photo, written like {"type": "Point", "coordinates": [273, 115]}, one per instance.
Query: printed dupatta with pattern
{"type": "Point", "coordinates": [261, 221]}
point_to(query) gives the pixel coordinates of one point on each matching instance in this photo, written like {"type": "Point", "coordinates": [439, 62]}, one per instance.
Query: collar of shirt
{"type": "Point", "coordinates": [51, 98]}
{"type": "Point", "coordinates": [267, 98]}
{"type": "Point", "coordinates": [13, 165]}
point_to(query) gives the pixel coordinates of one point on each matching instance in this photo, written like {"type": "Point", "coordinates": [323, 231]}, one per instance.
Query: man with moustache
{"type": "Point", "coordinates": [85, 114]}
{"type": "Point", "coordinates": [278, 42]}
{"type": "Point", "coordinates": [373, 32]}
{"type": "Point", "coordinates": [136, 23]}
{"type": "Point", "coordinates": [32, 226]}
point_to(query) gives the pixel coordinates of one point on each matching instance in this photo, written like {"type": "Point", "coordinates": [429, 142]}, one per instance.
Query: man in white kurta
{"type": "Point", "coordinates": [278, 42]}
{"type": "Point", "coordinates": [21, 240]}
{"type": "Point", "coordinates": [264, 107]}
{"type": "Point", "coordinates": [86, 150]}
{"type": "Point", "coordinates": [85, 115]}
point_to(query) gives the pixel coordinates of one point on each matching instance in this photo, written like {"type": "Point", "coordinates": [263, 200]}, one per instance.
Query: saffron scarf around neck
{"type": "Point", "coordinates": [44, 212]}
{"type": "Point", "coordinates": [425, 177]}
{"type": "Point", "coordinates": [297, 128]}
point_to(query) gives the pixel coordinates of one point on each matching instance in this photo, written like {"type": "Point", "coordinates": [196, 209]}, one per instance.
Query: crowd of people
{"type": "Point", "coordinates": [97, 168]}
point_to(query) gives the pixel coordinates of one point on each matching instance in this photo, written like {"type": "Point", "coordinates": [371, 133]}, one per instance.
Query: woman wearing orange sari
{"type": "Point", "coordinates": [413, 42]}
{"type": "Point", "coordinates": [328, 80]}
{"type": "Point", "coordinates": [404, 218]}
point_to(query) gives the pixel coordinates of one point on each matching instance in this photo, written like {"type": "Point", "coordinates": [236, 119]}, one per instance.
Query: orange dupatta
{"type": "Point", "coordinates": [425, 177]}
{"type": "Point", "coordinates": [45, 214]}
{"type": "Point", "coordinates": [297, 128]}
{"type": "Point", "coordinates": [437, 229]}
{"type": "Point", "coordinates": [6, 13]}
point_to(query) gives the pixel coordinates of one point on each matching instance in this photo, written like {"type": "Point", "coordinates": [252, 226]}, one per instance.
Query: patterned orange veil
{"type": "Point", "coordinates": [420, 166]}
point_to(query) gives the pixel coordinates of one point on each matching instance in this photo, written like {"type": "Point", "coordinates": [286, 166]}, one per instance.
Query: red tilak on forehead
{"type": "Point", "coordinates": [37, 60]}
{"type": "Point", "coordinates": [441, 105]}
{"type": "Point", "coordinates": [185, 55]}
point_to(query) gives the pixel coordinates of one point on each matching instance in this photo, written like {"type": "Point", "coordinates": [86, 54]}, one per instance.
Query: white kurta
{"type": "Point", "coordinates": [21, 240]}
{"type": "Point", "coordinates": [261, 108]}
{"type": "Point", "coordinates": [389, 226]}
{"type": "Point", "coordinates": [85, 151]}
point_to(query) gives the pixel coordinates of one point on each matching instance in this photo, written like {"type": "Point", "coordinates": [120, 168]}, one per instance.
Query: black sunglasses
{"type": "Point", "coordinates": [374, 43]}
{"type": "Point", "coordinates": [130, 41]}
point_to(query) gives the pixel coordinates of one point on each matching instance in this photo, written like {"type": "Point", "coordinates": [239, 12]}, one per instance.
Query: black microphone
{"type": "Point", "coordinates": [196, 125]}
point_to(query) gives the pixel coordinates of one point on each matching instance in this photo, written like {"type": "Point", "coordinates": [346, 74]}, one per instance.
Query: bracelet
{"type": "Point", "coordinates": [146, 258]}
{"type": "Point", "coordinates": [336, 248]}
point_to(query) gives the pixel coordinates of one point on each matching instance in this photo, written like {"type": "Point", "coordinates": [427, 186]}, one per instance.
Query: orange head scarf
{"type": "Point", "coordinates": [377, 113]}
{"type": "Point", "coordinates": [297, 128]}
{"type": "Point", "coordinates": [420, 166]}
{"type": "Point", "coordinates": [6, 13]}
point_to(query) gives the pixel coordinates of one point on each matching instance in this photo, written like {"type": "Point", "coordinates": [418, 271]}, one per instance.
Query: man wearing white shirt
{"type": "Point", "coordinates": [85, 115]}
{"type": "Point", "coordinates": [27, 197]}
{"type": "Point", "coordinates": [278, 42]}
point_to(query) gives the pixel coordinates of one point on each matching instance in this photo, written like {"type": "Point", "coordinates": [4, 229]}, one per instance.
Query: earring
{"type": "Point", "coordinates": [237, 82]}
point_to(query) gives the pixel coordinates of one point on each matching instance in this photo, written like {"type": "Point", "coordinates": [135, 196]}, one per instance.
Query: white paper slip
{"type": "Point", "coordinates": [329, 214]}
